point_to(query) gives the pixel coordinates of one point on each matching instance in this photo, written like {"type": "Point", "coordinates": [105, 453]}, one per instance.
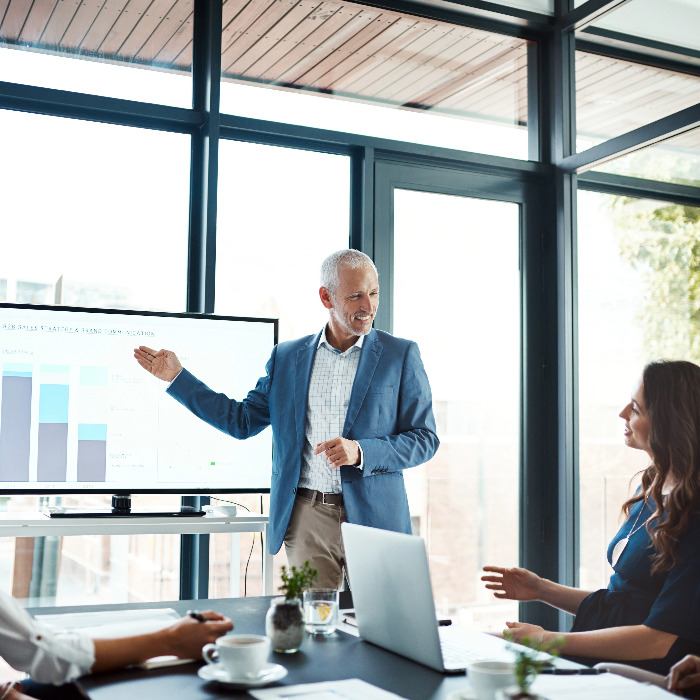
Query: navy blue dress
{"type": "Point", "coordinates": [669, 602]}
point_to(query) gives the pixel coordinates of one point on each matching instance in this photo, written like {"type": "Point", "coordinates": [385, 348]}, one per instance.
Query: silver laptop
{"type": "Point", "coordinates": [393, 599]}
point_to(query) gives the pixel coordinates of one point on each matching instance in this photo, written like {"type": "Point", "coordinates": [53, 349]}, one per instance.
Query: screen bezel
{"type": "Point", "coordinates": [132, 312]}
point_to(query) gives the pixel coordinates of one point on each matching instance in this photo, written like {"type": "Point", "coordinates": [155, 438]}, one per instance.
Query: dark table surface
{"type": "Point", "coordinates": [337, 657]}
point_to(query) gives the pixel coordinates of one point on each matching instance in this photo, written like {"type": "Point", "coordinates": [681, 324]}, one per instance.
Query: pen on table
{"type": "Point", "coordinates": [573, 671]}
{"type": "Point", "coordinates": [196, 615]}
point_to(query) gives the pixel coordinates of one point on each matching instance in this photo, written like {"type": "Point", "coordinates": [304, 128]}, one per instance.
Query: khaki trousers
{"type": "Point", "coordinates": [314, 534]}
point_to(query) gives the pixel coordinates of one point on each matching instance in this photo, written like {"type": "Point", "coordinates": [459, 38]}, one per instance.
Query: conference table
{"type": "Point", "coordinates": [338, 657]}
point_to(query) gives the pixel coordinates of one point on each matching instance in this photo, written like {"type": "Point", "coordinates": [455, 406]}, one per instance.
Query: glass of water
{"type": "Point", "coordinates": [321, 610]}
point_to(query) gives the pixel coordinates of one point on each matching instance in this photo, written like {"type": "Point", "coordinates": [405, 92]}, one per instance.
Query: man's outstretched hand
{"type": "Point", "coordinates": [162, 364]}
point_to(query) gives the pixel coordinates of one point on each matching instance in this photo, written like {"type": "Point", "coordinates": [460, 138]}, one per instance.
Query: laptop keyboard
{"type": "Point", "coordinates": [461, 646]}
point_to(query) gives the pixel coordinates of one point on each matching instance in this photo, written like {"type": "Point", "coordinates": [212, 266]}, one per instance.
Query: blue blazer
{"type": "Point", "coordinates": [390, 414]}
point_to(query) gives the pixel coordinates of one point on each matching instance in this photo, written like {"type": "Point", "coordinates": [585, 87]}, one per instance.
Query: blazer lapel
{"type": "Point", "coordinates": [369, 357]}
{"type": "Point", "coordinates": [305, 361]}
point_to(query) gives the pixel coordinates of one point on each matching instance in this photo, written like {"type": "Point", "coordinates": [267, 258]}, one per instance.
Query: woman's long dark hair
{"type": "Point", "coordinates": [671, 391]}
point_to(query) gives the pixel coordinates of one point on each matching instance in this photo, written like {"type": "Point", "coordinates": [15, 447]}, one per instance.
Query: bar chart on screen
{"type": "Point", "coordinates": [58, 416]}
{"type": "Point", "coordinates": [77, 411]}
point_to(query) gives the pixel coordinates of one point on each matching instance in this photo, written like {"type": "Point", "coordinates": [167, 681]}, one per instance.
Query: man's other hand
{"type": "Point", "coordinates": [339, 452]}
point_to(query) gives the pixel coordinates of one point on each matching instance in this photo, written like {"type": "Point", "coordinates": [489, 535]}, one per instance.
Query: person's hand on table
{"type": "Point", "coordinates": [517, 631]}
{"type": "Point", "coordinates": [162, 364]}
{"type": "Point", "coordinates": [187, 636]}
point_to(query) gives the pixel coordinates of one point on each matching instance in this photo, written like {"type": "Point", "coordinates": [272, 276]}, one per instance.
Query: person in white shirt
{"type": "Point", "coordinates": [49, 657]}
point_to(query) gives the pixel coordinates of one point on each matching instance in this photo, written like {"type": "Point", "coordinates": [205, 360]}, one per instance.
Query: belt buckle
{"type": "Point", "coordinates": [323, 499]}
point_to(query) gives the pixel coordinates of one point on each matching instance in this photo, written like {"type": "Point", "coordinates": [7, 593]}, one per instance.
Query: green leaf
{"type": "Point", "coordinates": [295, 582]}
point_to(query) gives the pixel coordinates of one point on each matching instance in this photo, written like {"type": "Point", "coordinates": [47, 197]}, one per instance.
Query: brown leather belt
{"type": "Point", "coordinates": [328, 499]}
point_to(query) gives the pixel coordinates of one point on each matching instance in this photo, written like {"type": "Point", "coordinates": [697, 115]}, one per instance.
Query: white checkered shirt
{"type": "Point", "coordinates": [330, 386]}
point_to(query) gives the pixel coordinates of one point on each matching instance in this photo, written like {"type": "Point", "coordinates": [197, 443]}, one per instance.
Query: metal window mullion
{"type": "Point", "coordinates": [549, 504]}
{"type": "Point", "coordinates": [591, 11]}
{"type": "Point", "coordinates": [201, 270]}
{"type": "Point", "coordinates": [660, 130]}
{"type": "Point", "coordinates": [362, 200]}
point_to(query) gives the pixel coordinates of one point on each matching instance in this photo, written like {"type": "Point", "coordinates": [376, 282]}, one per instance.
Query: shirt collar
{"type": "Point", "coordinates": [324, 341]}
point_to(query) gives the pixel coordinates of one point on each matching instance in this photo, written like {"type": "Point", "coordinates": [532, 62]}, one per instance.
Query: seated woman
{"type": "Point", "coordinates": [649, 615]}
{"type": "Point", "coordinates": [59, 658]}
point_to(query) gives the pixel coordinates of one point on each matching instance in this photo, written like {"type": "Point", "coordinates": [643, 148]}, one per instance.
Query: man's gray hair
{"type": "Point", "coordinates": [330, 267]}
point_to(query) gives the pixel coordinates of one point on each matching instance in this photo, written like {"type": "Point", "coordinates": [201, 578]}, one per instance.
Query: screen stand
{"type": "Point", "coordinates": [121, 508]}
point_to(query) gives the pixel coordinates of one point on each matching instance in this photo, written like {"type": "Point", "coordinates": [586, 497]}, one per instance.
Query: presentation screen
{"type": "Point", "coordinates": [78, 413]}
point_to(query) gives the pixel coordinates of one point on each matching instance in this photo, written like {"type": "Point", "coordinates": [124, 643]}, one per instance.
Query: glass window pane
{"type": "Point", "coordinates": [390, 75]}
{"type": "Point", "coordinates": [544, 6]}
{"type": "Point", "coordinates": [637, 275]}
{"type": "Point", "coordinates": [464, 502]}
{"type": "Point", "coordinates": [676, 160]}
{"type": "Point", "coordinates": [615, 96]}
{"type": "Point", "coordinates": [90, 569]}
{"type": "Point", "coordinates": [235, 560]}
{"type": "Point", "coordinates": [93, 214]}
{"type": "Point", "coordinates": [113, 49]}
{"type": "Point", "coordinates": [281, 212]}
{"type": "Point", "coordinates": [672, 22]}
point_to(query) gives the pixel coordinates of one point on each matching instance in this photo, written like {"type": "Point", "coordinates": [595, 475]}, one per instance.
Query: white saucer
{"type": "Point", "coordinates": [464, 694]}
{"type": "Point", "coordinates": [269, 674]}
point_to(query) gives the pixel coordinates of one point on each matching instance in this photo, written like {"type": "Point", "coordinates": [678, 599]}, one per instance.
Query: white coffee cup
{"type": "Point", "coordinates": [486, 677]}
{"type": "Point", "coordinates": [241, 655]}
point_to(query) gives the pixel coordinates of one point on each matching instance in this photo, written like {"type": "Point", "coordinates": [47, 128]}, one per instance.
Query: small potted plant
{"type": "Point", "coordinates": [530, 659]}
{"type": "Point", "coordinates": [284, 622]}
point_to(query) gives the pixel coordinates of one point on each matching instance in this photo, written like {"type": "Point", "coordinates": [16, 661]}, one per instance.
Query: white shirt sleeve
{"type": "Point", "coordinates": [34, 648]}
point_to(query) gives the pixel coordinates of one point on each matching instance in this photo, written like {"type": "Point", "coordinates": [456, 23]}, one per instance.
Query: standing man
{"type": "Point", "coordinates": [350, 409]}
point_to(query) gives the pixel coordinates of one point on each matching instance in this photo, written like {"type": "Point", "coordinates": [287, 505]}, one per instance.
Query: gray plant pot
{"type": "Point", "coordinates": [284, 624]}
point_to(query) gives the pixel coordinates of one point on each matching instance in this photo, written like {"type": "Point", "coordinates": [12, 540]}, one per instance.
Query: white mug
{"type": "Point", "coordinates": [486, 677]}
{"type": "Point", "coordinates": [241, 655]}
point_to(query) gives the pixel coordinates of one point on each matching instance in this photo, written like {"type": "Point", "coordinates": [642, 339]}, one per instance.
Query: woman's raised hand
{"type": "Point", "coordinates": [512, 584]}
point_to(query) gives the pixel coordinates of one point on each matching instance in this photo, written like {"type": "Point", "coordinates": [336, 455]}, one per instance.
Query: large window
{"type": "Point", "coordinates": [459, 299]}
{"type": "Point", "coordinates": [637, 275]}
{"type": "Point", "coordinates": [90, 569]}
{"type": "Point", "coordinates": [93, 214]}
{"type": "Point", "coordinates": [281, 212]}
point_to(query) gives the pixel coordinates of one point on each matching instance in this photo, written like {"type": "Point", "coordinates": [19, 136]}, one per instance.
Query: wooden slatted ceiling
{"type": "Point", "coordinates": [349, 50]}
{"type": "Point", "coordinates": [614, 97]}
{"type": "Point", "coordinates": [371, 54]}
{"type": "Point", "coordinates": [329, 46]}
{"type": "Point", "coordinates": [151, 32]}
